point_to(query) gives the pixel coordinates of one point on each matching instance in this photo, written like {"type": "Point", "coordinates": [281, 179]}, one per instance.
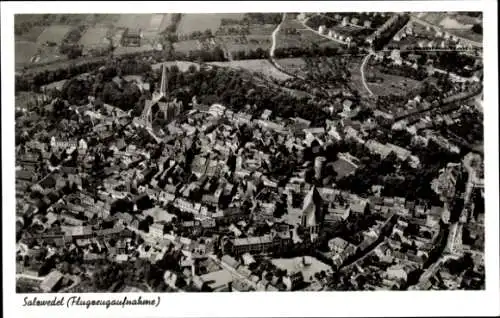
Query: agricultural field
{"type": "Point", "coordinates": [94, 36]}
{"type": "Point", "coordinates": [191, 22]}
{"type": "Point", "coordinates": [258, 36]}
{"type": "Point", "coordinates": [53, 33]}
{"type": "Point", "coordinates": [24, 51]}
{"type": "Point", "coordinates": [134, 21]}
{"type": "Point", "coordinates": [388, 84]}
{"type": "Point", "coordinates": [260, 66]}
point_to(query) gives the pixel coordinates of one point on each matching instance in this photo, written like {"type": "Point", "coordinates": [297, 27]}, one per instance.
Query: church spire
{"type": "Point", "coordinates": [163, 86]}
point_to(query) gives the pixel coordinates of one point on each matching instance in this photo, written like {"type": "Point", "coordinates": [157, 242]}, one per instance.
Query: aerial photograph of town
{"type": "Point", "coordinates": [238, 152]}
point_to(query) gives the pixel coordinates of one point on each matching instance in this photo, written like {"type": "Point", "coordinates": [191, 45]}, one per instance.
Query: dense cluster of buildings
{"type": "Point", "coordinates": [202, 194]}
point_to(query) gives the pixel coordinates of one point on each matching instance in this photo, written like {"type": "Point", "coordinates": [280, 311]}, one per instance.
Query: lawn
{"type": "Point", "coordinates": [261, 66]}
{"type": "Point", "coordinates": [191, 22]}
{"type": "Point", "coordinates": [54, 33]}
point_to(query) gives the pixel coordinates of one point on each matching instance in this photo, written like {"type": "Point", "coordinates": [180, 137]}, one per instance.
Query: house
{"type": "Point", "coordinates": [52, 281]}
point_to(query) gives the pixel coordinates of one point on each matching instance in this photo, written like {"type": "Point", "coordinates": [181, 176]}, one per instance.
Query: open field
{"type": "Point", "coordinates": [191, 22]}
{"type": "Point", "coordinates": [356, 81]}
{"type": "Point", "coordinates": [294, 65]}
{"type": "Point", "coordinates": [94, 36]}
{"type": "Point", "coordinates": [468, 34]}
{"type": "Point", "coordinates": [24, 51]}
{"type": "Point", "coordinates": [391, 84]}
{"type": "Point", "coordinates": [246, 43]}
{"type": "Point", "coordinates": [186, 46]}
{"type": "Point", "coordinates": [134, 21]}
{"type": "Point", "coordinates": [305, 38]}
{"type": "Point", "coordinates": [53, 33]}
{"type": "Point", "coordinates": [433, 17]}
{"type": "Point", "coordinates": [32, 34]}
{"type": "Point", "coordinates": [121, 50]}
{"type": "Point", "coordinates": [261, 66]}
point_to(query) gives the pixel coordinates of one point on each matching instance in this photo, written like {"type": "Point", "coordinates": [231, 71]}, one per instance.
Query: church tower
{"type": "Point", "coordinates": [164, 81]}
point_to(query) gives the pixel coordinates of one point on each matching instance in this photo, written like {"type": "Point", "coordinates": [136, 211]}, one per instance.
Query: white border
{"type": "Point", "coordinates": [267, 304]}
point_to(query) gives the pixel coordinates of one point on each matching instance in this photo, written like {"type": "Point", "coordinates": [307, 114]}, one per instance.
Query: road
{"type": "Point", "coordinates": [25, 276]}
{"type": "Point", "coordinates": [233, 271]}
{"type": "Point", "coordinates": [361, 69]}
{"type": "Point", "coordinates": [431, 271]}
{"type": "Point", "coordinates": [273, 36]}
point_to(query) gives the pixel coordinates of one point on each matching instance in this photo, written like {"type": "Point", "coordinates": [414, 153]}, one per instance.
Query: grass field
{"type": "Point", "coordinates": [293, 65]}
{"type": "Point", "coordinates": [24, 51]}
{"type": "Point", "coordinates": [305, 38]}
{"type": "Point", "coordinates": [134, 21]}
{"type": "Point", "coordinates": [93, 36]}
{"type": "Point", "coordinates": [261, 66]}
{"type": "Point", "coordinates": [245, 43]}
{"type": "Point", "coordinates": [433, 17]}
{"type": "Point", "coordinates": [121, 50]}
{"type": "Point", "coordinates": [31, 35]}
{"type": "Point", "coordinates": [391, 84]}
{"type": "Point", "coordinates": [191, 22]}
{"type": "Point", "coordinates": [356, 81]}
{"type": "Point", "coordinates": [53, 33]}
{"type": "Point", "coordinates": [186, 46]}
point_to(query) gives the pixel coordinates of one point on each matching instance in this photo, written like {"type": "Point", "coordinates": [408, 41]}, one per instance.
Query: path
{"type": "Point", "coordinates": [361, 69]}
{"type": "Point", "coordinates": [273, 36]}
{"type": "Point", "coordinates": [26, 276]}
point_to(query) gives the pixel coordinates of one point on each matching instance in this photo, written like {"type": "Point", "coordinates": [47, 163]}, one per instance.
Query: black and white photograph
{"type": "Point", "coordinates": [279, 151]}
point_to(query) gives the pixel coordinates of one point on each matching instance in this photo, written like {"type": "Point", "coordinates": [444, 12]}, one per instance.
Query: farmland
{"type": "Point", "coordinates": [53, 33]}
{"type": "Point", "coordinates": [192, 22]}
{"type": "Point", "coordinates": [24, 51]}
{"type": "Point", "coordinates": [94, 36]}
